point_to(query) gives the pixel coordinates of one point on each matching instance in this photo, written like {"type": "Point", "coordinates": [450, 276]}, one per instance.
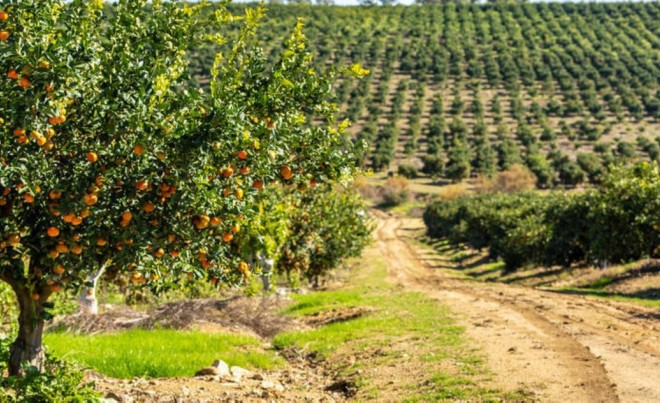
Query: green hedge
{"type": "Point", "coordinates": [619, 221]}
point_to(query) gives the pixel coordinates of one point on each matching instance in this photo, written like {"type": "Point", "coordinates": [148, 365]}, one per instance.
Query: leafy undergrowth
{"type": "Point", "coordinates": [160, 353]}
{"type": "Point", "coordinates": [406, 347]}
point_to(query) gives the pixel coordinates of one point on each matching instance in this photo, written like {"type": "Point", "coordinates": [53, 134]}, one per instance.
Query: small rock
{"type": "Point", "coordinates": [219, 368]}
{"type": "Point", "coordinates": [112, 396]}
{"type": "Point", "coordinates": [279, 387]}
{"type": "Point", "coordinates": [239, 373]}
{"type": "Point", "coordinates": [153, 382]}
{"type": "Point", "coordinates": [266, 384]}
{"type": "Point", "coordinates": [257, 392]}
{"type": "Point", "coordinates": [186, 391]}
{"type": "Point", "coordinates": [151, 393]}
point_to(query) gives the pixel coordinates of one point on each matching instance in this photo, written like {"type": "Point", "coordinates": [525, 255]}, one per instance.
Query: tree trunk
{"type": "Point", "coordinates": [87, 302]}
{"type": "Point", "coordinates": [28, 345]}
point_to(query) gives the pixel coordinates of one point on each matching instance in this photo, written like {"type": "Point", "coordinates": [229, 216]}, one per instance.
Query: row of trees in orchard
{"type": "Point", "coordinates": [617, 222]}
{"type": "Point", "coordinates": [111, 161]}
{"type": "Point", "coordinates": [453, 85]}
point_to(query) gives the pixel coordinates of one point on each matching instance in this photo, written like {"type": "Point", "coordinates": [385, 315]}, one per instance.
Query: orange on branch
{"type": "Point", "coordinates": [92, 156]}
{"type": "Point", "coordinates": [53, 232]}
{"type": "Point", "coordinates": [13, 74]}
{"type": "Point", "coordinates": [4, 35]}
{"type": "Point", "coordinates": [286, 172]}
{"type": "Point", "coordinates": [142, 185]}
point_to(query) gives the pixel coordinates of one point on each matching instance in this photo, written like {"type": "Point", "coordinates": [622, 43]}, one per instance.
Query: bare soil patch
{"type": "Point", "coordinates": [553, 344]}
{"type": "Point", "coordinates": [254, 316]}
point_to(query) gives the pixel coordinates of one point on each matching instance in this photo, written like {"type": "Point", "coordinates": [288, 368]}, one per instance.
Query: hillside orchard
{"type": "Point", "coordinates": [460, 90]}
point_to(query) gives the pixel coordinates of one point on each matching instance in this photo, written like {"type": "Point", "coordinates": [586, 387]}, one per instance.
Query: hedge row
{"type": "Point", "coordinates": [616, 222]}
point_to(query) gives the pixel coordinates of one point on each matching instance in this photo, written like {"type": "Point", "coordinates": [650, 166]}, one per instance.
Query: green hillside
{"type": "Point", "coordinates": [465, 89]}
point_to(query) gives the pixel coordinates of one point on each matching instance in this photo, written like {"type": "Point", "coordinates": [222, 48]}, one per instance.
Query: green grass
{"type": "Point", "coordinates": [398, 320]}
{"type": "Point", "coordinates": [160, 353]}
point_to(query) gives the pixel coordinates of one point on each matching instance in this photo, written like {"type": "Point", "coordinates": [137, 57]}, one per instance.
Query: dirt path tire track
{"type": "Point", "coordinates": [560, 347]}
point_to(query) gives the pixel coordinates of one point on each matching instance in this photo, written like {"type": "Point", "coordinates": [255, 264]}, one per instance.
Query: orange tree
{"type": "Point", "coordinates": [326, 226]}
{"type": "Point", "coordinates": [109, 161]}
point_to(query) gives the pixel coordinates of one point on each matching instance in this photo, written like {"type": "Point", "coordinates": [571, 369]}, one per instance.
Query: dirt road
{"type": "Point", "coordinates": [560, 347]}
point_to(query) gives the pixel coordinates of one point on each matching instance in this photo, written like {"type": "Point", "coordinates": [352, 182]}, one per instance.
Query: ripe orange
{"type": "Point", "coordinates": [159, 252]}
{"type": "Point", "coordinates": [100, 241]}
{"type": "Point", "coordinates": [245, 170]}
{"type": "Point", "coordinates": [55, 194]}
{"type": "Point", "coordinates": [76, 221]}
{"type": "Point", "coordinates": [142, 185]}
{"type": "Point", "coordinates": [58, 269]}
{"type": "Point", "coordinates": [148, 207]}
{"type": "Point", "coordinates": [258, 184]}
{"type": "Point", "coordinates": [138, 150]}
{"type": "Point", "coordinates": [286, 172]}
{"type": "Point", "coordinates": [61, 248]}
{"type": "Point", "coordinates": [55, 288]}
{"type": "Point", "coordinates": [76, 249]}
{"type": "Point", "coordinates": [24, 82]}
{"type": "Point", "coordinates": [50, 133]}
{"type": "Point", "coordinates": [242, 155]}
{"type": "Point", "coordinates": [91, 199]}
{"type": "Point", "coordinates": [175, 254]}
{"type": "Point", "coordinates": [235, 228]}
{"type": "Point", "coordinates": [227, 172]}
{"type": "Point", "coordinates": [14, 239]}
{"type": "Point", "coordinates": [49, 145]}
{"type": "Point", "coordinates": [90, 292]}
{"type": "Point", "coordinates": [22, 140]}
{"type": "Point", "coordinates": [92, 156]}
{"type": "Point", "coordinates": [28, 198]}
{"type": "Point", "coordinates": [313, 183]}
{"type": "Point", "coordinates": [216, 221]}
{"type": "Point", "coordinates": [244, 268]}
{"type": "Point", "coordinates": [4, 35]}
{"type": "Point", "coordinates": [36, 296]}
{"type": "Point", "coordinates": [53, 232]}
{"type": "Point", "coordinates": [126, 216]}
{"type": "Point", "coordinates": [44, 64]}
{"type": "Point", "coordinates": [53, 254]}
{"type": "Point", "coordinates": [239, 193]}
{"type": "Point", "coordinates": [201, 221]}
{"type": "Point", "coordinates": [227, 237]}
{"type": "Point", "coordinates": [3, 15]}
{"type": "Point", "coordinates": [13, 74]}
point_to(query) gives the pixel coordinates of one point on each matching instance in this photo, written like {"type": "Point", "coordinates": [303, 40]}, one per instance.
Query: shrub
{"type": "Point", "coordinates": [408, 171]}
{"type": "Point", "coordinates": [394, 192]}
{"type": "Point", "coordinates": [516, 178]}
{"type": "Point", "coordinates": [617, 222]}
{"type": "Point", "coordinates": [59, 381]}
